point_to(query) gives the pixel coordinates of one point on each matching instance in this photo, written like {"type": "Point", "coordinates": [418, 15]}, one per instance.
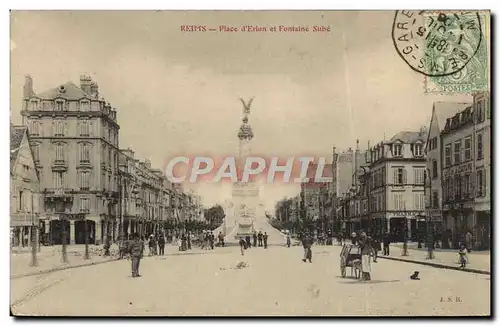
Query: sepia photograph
{"type": "Point", "coordinates": [250, 163]}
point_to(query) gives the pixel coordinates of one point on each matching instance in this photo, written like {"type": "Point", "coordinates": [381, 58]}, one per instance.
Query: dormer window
{"type": "Point", "coordinates": [34, 105]}
{"type": "Point", "coordinates": [398, 149]}
{"type": "Point", "coordinates": [59, 106]}
{"type": "Point", "coordinates": [418, 150]}
{"type": "Point", "coordinates": [85, 106]}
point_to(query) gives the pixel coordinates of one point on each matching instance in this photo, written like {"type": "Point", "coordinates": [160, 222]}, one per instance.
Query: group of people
{"type": "Point", "coordinates": [259, 240]}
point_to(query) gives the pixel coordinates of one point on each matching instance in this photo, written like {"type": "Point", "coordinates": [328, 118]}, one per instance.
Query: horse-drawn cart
{"type": "Point", "coordinates": [350, 256]}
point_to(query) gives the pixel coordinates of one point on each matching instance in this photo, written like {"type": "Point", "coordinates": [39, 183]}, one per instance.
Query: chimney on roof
{"type": "Point", "coordinates": [94, 89]}
{"type": "Point", "coordinates": [85, 84]}
{"type": "Point", "coordinates": [28, 87]}
{"type": "Point", "coordinates": [423, 131]}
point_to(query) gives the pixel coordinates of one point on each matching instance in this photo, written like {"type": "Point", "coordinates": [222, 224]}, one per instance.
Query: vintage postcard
{"type": "Point", "coordinates": [250, 163]}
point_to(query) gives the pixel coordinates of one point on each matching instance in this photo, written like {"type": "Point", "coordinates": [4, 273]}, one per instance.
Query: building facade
{"type": "Point", "coordinates": [75, 136]}
{"type": "Point", "coordinates": [396, 198]}
{"type": "Point", "coordinates": [482, 151]}
{"type": "Point", "coordinates": [466, 176]}
{"type": "Point", "coordinates": [433, 149]}
{"type": "Point", "coordinates": [24, 189]}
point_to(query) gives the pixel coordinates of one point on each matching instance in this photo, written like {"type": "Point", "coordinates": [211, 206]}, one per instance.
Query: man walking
{"type": "Point", "coordinates": [387, 242]}
{"type": "Point", "coordinates": [307, 243]}
{"type": "Point", "coordinates": [136, 250]}
{"type": "Point", "coordinates": [254, 239]}
{"type": "Point", "coordinates": [264, 237]}
{"type": "Point", "coordinates": [259, 238]}
{"type": "Point", "coordinates": [161, 244]}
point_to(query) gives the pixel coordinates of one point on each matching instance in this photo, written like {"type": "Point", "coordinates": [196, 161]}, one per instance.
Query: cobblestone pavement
{"type": "Point", "coordinates": [477, 260]}
{"type": "Point", "coordinates": [268, 282]}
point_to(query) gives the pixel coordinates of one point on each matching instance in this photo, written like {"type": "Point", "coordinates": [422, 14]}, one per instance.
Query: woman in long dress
{"type": "Point", "coordinates": [364, 245]}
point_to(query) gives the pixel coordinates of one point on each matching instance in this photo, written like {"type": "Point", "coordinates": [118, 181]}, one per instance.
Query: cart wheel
{"type": "Point", "coordinates": [342, 267]}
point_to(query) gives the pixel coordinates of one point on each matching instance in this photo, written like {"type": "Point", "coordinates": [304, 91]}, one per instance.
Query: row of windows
{"type": "Point", "coordinates": [461, 186]}
{"type": "Point", "coordinates": [84, 129]}
{"type": "Point", "coordinates": [396, 151]}
{"type": "Point", "coordinates": [61, 105]}
{"type": "Point", "coordinates": [464, 154]}
{"type": "Point", "coordinates": [26, 201]}
{"type": "Point", "coordinates": [399, 202]}
{"type": "Point", "coordinates": [59, 180]}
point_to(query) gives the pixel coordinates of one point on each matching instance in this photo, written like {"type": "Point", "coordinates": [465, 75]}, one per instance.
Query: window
{"type": "Point", "coordinates": [84, 152]}
{"type": "Point", "coordinates": [458, 186]}
{"type": "Point", "coordinates": [59, 128]}
{"type": "Point", "coordinates": [35, 128]}
{"type": "Point", "coordinates": [399, 176]}
{"type": "Point", "coordinates": [84, 180]}
{"type": "Point", "coordinates": [21, 201]}
{"type": "Point", "coordinates": [419, 176]}
{"type": "Point", "coordinates": [84, 205]}
{"type": "Point", "coordinates": [456, 152]}
{"type": "Point", "coordinates": [435, 199]}
{"type": "Point", "coordinates": [397, 150]}
{"type": "Point", "coordinates": [59, 106]}
{"type": "Point", "coordinates": [467, 185]}
{"type": "Point", "coordinates": [399, 204]}
{"type": "Point", "coordinates": [418, 150]}
{"type": "Point", "coordinates": [480, 111]}
{"type": "Point", "coordinates": [481, 183]}
{"type": "Point", "coordinates": [85, 106]}
{"type": "Point", "coordinates": [58, 179]}
{"type": "Point", "coordinates": [34, 105]}
{"type": "Point", "coordinates": [468, 147]}
{"type": "Point", "coordinates": [60, 152]}
{"type": "Point", "coordinates": [434, 143]}
{"type": "Point", "coordinates": [434, 169]}
{"type": "Point", "coordinates": [84, 128]}
{"type": "Point", "coordinates": [447, 155]}
{"type": "Point", "coordinates": [479, 146]}
{"type": "Point", "coordinates": [36, 153]}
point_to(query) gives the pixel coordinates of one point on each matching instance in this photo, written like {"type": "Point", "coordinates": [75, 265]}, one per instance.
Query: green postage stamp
{"type": "Point", "coordinates": [449, 48]}
{"type": "Point", "coordinates": [474, 76]}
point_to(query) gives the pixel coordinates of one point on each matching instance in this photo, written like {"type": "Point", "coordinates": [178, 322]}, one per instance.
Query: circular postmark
{"type": "Point", "coordinates": [436, 43]}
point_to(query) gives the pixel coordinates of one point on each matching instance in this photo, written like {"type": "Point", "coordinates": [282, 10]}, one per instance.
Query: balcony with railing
{"type": "Point", "coordinates": [59, 165]}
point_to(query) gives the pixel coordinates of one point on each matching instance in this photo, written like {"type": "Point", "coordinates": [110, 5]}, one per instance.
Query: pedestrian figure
{"type": "Point", "coordinates": [152, 245]}
{"type": "Point", "coordinates": [242, 246]}
{"type": "Point", "coordinates": [184, 242]}
{"type": "Point", "coordinates": [136, 250]}
{"type": "Point", "coordinates": [221, 239]}
{"type": "Point", "coordinates": [364, 245]}
{"type": "Point", "coordinates": [288, 240]}
{"type": "Point", "coordinates": [375, 248]}
{"type": "Point", "coordinates": [161, 244]}
{"type": "Point", "coordinates": [179, 244]}
{"type": "Point", "coordinates": [463, 255]}
{"type": "Point", "coordinates": [248, 241]}
{"type": "Point", "coordinates": [259, 238]}
{"type": "Point", "coordinates": [307, 243]}
{"type": "Point", "coordinates": [387, 242]}
{"type": "Point", "coordinates": [264, 237]}
{"type": "Point", "coordinates": [123, 247]}
{"type": "Point", "coordinates": [353, 238]}
{"type": "Point", "coordinates": [254, 239]}
{"type": "Point", "coordinates": [212, 240]}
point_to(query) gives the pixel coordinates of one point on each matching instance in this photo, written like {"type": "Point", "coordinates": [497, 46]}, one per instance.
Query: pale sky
{"type": "Point", "coordinates": [177, 92]}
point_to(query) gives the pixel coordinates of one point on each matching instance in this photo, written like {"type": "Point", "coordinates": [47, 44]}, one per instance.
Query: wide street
{"type": "Point", "coordinates": [273, 282]}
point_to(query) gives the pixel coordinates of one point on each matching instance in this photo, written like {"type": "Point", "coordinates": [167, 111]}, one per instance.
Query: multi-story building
{"type": "Point", "coordinates": [482, 153]}
{"type": "Point", "coordinates": [396, 188]}
{"type": "Point", "coordinates": [458, 172]}
{"type": "Point", "coordinates": [466, 172]}
{"type": "Point", "coordinates": [24, 189]}
{"type": "Point", "coordinates": [75, 136]}
{"type": "Point", "coordinates": [434, 162]}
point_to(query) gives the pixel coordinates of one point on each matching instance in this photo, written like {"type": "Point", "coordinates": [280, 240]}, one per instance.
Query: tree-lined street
{"type": "Point", "coordinates": [210, 283]}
